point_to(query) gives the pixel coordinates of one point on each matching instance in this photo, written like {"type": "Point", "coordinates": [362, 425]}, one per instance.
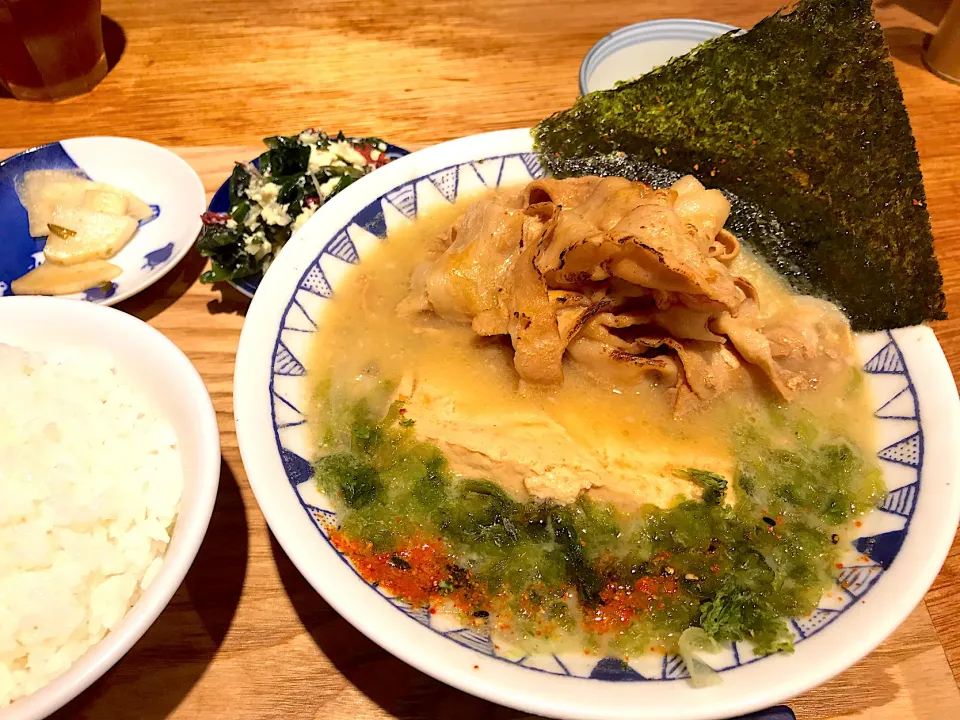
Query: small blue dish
{"type": "Point", "coordinates": [220, 202]}
{"type": "Point", "coordinates": [636, 49]}
{"type": "Point", "coordinates": [157, 176]}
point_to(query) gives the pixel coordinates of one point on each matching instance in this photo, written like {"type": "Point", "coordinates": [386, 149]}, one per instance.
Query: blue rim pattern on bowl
{"type": "Point", "coordinates": [22, 252]}
{"type": "Point", "coordinates": [644, 32]}
{"type": "Point", "coordinates": [220, 202]}
{"type": "Point", "coordinates": [897, 415]}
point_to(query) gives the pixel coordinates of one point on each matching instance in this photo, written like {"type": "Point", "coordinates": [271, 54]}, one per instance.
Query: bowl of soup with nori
{"type": "Point", "coordinates": [675, 511]}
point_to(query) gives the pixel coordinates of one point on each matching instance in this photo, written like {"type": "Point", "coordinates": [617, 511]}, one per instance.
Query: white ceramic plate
{"type": "Point", "coordinates": [888, 568]}
{"type": "Point", "coordinates": [157, 176]}
{"type": "Point", "coordinates": [150, 362]}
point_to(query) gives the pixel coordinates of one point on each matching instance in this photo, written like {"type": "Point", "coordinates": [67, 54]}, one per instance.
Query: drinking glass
{"type": "Point", "coordinates": [942, 55]}
{"type": "Point", "coordinates": [50, 49]}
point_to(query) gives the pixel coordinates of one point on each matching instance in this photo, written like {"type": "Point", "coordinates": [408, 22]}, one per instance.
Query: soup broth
{"type": "Point", "coordinates": [584, 515]}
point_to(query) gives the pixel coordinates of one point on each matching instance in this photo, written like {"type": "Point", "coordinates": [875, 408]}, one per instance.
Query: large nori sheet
{"type": "Point", "coordinates": [802, 120]}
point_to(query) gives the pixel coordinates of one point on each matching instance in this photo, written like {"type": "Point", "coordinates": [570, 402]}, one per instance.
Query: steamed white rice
{"type": "Point", "coordinates": [90, 484]}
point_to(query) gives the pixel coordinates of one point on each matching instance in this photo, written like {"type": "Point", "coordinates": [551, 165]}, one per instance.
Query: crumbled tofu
{"type": "Point", "coordinates": [275, 214]}
{"type": "Point", "coordinates": [258, 245]}
{"type": "Point", "coordinates": [327, 187]}
{"type": "Point", "coordinates": [263, 193]}
{"type": "Point", "coordinates": [303, 217]}
{"type": "Point", "coordinates": [348, 153]}
{"type": "Point", "coordinates": [253, 216]}
{"type": "Point", "coordinates": [272, 212]}
{"type": "Point", "coordinates": [322, 158]}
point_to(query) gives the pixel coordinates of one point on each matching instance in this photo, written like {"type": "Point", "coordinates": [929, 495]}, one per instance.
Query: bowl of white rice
{"type": "Point", "coordinates": [109, 466]}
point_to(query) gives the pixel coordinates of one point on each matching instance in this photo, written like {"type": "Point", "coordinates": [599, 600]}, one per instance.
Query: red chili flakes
{"type": "Point", "coordinates": [917, 202]}
{"type": "Point", "coordinates": [620, 604]}
{"type": "Point", "coordinates": [476, 667]}
{"type": "Point", "coordinates": [789, 152]}
{"type": "Point", "coordinates": [839, 566]}
{"type": "Point", "coordinates": [414, 571]}
{"type": "Point", "coordinates": [858, 523]}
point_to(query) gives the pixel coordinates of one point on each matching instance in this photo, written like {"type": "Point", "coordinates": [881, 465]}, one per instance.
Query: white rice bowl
{"type": "Point", "coordinates": [91, 479]}
{"type": "Point", "coordinates": [109, 466]}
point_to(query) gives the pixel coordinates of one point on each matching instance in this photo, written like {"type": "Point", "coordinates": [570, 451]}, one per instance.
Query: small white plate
{"type": "Point", "coordinates": [636, 49]}
{"type": "Point", "coordinates": [157, 176]}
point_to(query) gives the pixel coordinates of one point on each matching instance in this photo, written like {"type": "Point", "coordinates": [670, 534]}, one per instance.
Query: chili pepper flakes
{"type": "Point", "coordinates": [620, 604]}
{"type": "Point", "coordinates": [414, 571]}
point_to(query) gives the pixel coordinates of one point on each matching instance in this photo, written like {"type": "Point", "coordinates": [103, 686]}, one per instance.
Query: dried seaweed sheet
{"type": "Point", "coordinates": [801, 117]}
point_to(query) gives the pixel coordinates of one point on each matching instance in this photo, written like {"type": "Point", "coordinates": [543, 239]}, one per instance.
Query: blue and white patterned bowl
{"type": "Point", "coordinates": [220, 203]}
{"type": "Point", "coordinates": [633, 50]}
{"type": "Point", "coordinates": [888, 567]}
{"type": "Point", "coordinates": [160, 178]}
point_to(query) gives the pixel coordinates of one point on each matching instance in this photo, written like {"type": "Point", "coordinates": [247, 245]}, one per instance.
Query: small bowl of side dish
{"type": "Point", "coordinates": [111, 459]}
{"type": "Point", "coordinates": [888, 559]}
{"type": "Point", "coordinates": [124, 212]}
{"type": "Point", "coordinates": [275, 194]}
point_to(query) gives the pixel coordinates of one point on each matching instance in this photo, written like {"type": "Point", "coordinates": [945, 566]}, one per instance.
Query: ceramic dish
{"type": "Point", "coordinates": [636, 49]}
{"type": "Point", "coordinates": [888, 567]}
{"type": "Point", "coordinates": [220, 203]}
{"type": "Point", "coordinates": [160, 178]}
{"type": "Point", "coordinates": [150, 362]}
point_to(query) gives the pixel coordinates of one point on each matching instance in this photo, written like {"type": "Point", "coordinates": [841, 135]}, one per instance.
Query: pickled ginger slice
{"type": "Point", "coordinates": [43, 192]}
{"type": "Point", "coordinates": [52, 279]}
{"type": "Point", "coordinates": [83, 235]}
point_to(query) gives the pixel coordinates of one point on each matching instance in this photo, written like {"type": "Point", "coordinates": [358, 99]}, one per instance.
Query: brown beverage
{"type": "Point", "coordinates": [50, 49]}
{"type": "Point", "coordinates": [943, 52]}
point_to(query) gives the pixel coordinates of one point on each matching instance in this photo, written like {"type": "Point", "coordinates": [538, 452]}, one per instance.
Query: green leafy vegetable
{"type": "Point", "coordinates": [801, 116]}
{"type": "Point", "coordinates": [734, 569]}
{"type": "Point", "coordinates": [355, 481]}
{"type": "Point", "coordinates": [738, 613]}
{"type": "Point", "coordinates": [714, 486]}
{"type": "Point", "coordinates": [269, 200]}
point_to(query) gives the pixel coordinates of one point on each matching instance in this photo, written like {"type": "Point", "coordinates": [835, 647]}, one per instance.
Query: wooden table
{"type": "Point", "coordinates": [245, 636]}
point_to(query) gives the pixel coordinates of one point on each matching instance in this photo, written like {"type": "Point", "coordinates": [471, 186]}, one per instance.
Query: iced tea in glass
{"type": "Point", "coordinates": [50, 49]}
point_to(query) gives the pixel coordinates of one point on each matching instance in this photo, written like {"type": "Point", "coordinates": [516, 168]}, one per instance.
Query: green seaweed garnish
{"type": "Point", "coordinates": [801, 116]}
{"type": "Point", "coordinates": [714, 486]}
{"type": "Point", "coordinates": [750, 553]}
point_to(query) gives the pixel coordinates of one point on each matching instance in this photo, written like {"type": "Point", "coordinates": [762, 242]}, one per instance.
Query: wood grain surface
{"type": "Point", "coordinates": [246, 636]}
